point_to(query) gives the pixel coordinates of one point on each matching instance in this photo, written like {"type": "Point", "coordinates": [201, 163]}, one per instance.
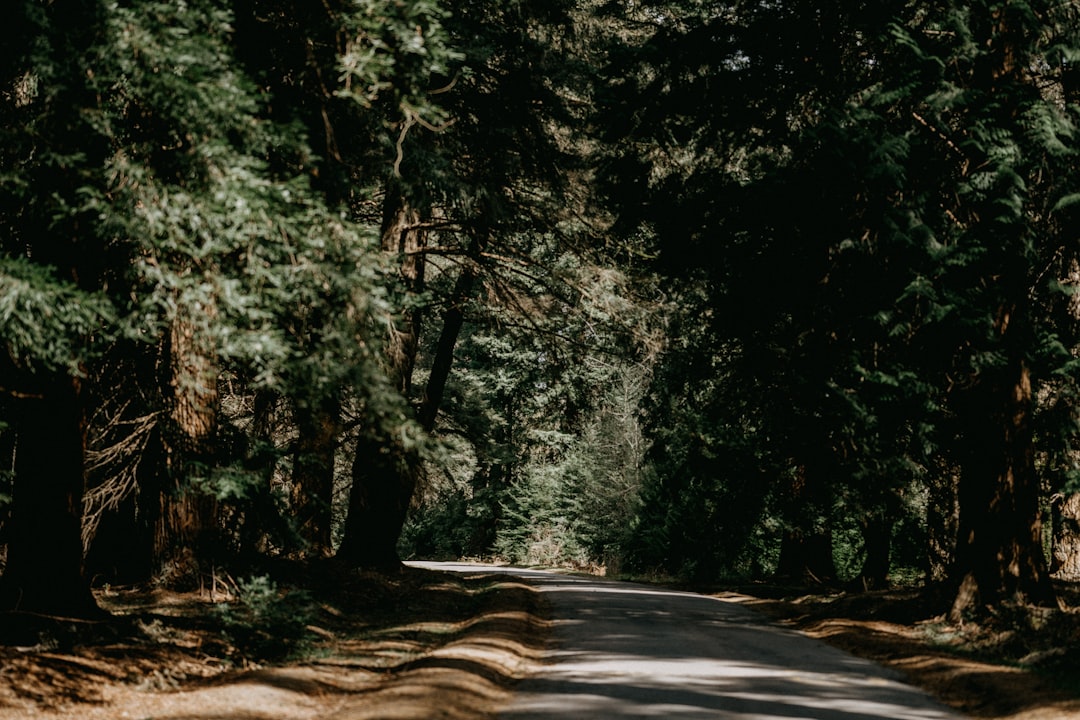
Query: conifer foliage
{"type": "Point", "coordinates": [702, 288]}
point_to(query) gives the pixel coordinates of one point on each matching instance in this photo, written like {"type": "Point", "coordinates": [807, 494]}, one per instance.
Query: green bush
{"type": "Point", "coordinates": [265, 622]}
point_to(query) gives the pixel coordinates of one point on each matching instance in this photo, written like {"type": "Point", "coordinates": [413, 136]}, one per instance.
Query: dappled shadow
{"type": "Point", "coordinates": [51, 681]}
{"type": "Point", "coordinates": [903, 630]}
{"type": "Point", "coordinates": [627, 651]}
{"type": "Point", "coordinates": [409, 641]}
{"type": "Point", "coordinates": [979, 689]}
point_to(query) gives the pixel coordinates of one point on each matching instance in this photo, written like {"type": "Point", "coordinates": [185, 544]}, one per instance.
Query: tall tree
{"type": "Point", "coordinates": [919, 154]}
{"type": "Point", "coordinates": [461, 222]}
{"type": "Point", "coordinates": [51, 281]}
{"type": "Point", "coordinates": [983, 90]}
{"type": "Point", "coordinates": [154, 209]}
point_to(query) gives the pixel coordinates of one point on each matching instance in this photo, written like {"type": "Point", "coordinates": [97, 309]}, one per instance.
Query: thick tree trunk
{"type": "Point", "coordinates": [999, 548]}
{"type": "Point", "coordinates": [312, 489]}
{"type": "Point", "coordinates": [184, 522]}
{"type": "Point", "coordinates": [1065, 537]}
{"type": "Point", "coordinates": [44, 572]}
{"type": "Point", "coordinates": [384, 474]}
{"type": "Point", "coordinates": [383, 482]}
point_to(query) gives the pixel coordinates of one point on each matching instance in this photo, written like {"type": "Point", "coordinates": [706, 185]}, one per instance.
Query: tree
{"type": "Point", "coordinates": [461, 221]}
{"type": "Point", "coordinates": [157, 219]}
{"type": "Point", "coordinates": [885, 323]}
{"type": "Point", "coordinates": [50, 282]}
{"type": "Point", "coordinates": [997, 255]}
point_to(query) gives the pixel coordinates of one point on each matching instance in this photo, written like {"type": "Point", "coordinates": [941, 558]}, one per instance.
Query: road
{"type": "Point", "coordinates": [621, 650]}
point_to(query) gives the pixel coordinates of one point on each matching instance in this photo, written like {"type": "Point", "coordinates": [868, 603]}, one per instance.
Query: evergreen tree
{"type": "Point", "coordinates": [148, 209]}
{"type": "Point", "coordinates": [888, 314]}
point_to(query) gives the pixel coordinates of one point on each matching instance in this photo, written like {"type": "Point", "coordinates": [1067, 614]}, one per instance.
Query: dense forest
{"type": "Point", "coordinates": [694, 289]}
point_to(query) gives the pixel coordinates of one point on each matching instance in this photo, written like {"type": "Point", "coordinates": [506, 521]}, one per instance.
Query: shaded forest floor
{"type": "Point", "coordinates": [1023, 664]}
{"type": "Point", "coordinates": [417, 645]}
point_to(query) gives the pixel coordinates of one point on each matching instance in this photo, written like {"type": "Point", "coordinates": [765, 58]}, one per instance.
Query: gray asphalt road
{"type": "Point", "coordinates": [621, 650]}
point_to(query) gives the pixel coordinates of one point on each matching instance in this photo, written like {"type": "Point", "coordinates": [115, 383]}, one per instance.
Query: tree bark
{"type": "Point", "coordinates": [44, 572]}
{"type": "Point", "coordinates": [1065, 537]}
{"type": "Point", "coordinates": [942, 523]}
{"type": "Point", "coordinates": [184, 522]}
{"type": "Point", "coordinates": [999, 548]}
{"type": "Point", "coordinates": [312, 488]}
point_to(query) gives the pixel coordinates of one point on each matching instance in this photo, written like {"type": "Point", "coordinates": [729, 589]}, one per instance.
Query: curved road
{"type": "Point", "coordinates": [621, 650]}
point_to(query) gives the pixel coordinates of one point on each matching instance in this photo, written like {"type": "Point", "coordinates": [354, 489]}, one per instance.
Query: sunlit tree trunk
{"type": "Point", "coordinates": [1065, 537]}
{"type": "Point", "coordinates": [184, 522]}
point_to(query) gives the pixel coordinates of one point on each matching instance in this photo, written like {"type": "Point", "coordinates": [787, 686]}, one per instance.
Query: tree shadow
{"type": "Point", "coordinates": [417, 639]}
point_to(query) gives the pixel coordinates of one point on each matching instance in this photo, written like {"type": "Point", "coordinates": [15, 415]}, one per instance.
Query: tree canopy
{"type": "Point", "coordinates": [707, 289]}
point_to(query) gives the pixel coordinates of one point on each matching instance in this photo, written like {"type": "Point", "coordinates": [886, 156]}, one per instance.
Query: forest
{"type": "Point", "coordinates": [704, 290]}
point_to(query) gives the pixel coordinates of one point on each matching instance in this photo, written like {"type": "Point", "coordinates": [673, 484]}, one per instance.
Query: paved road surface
{"type": "Point", "coordinates": [621, 650]}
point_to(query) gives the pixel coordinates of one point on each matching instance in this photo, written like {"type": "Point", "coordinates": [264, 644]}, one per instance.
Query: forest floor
{"type": "Point", "coordinates": [417, 645]}
{"type": "Point", "coordinates": [1021, 664]}
{"type": "Point", "coordinates": [423, 644]}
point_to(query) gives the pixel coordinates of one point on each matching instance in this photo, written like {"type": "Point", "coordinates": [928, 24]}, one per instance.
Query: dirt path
{"type": "Point", "coordinates": [429, 644]}
{"type": "Point", "coordinates": [621, 650]}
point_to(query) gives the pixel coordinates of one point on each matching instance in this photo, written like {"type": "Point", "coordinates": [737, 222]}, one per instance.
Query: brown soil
{"type": "Point", "coordinates": [1018, 664]}
{"type": "Point", "coordinates": [422, 645]}
{"type": "Point", "coordinates": [415, 645]}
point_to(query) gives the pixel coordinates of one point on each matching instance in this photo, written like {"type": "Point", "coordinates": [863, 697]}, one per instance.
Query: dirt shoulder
{"type": "Point", "coordinates": [421, 643]}
{"type": "Point", "coordinates": [1018, 666]}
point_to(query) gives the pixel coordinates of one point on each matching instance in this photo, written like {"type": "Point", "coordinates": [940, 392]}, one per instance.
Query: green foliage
{"type": "Point", "coordinates": [46, 324]}
{"type": "Point", "coordinates": [836, 337]}
{"type": "Point", "coordinates": [265, 622]}
{"type": "Point", "coordinates": [399, 49]}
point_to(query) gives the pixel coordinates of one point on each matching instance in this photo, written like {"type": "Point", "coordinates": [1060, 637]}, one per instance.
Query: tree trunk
{"type": "Point", "coordinates": [184, 522]}
{"type": "Point", "coordinates": [453, 320]}
{"type": "Point", "coordinates": [383, 482]}
{"type": "Point", "coordinates": [999, 548]}
{"type": "Point", "coordinates": [384, 474]}
{"type": "Point", "coordinates": [942, 523]}
{"type": "Point", "coordinates": [403, 236]}
{"type": "Point", "coordinates": [1065, 537]}
{"type": "Point", "coordinates": [44, 572]}
{"type": "Point", "coordinates": [312, 489]}
{"type": "Point", "coordinates": [877, 532]}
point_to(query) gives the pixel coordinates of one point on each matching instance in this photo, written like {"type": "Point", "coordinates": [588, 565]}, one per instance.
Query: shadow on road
{"type": "Point", "coordinates": [627, 651]}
